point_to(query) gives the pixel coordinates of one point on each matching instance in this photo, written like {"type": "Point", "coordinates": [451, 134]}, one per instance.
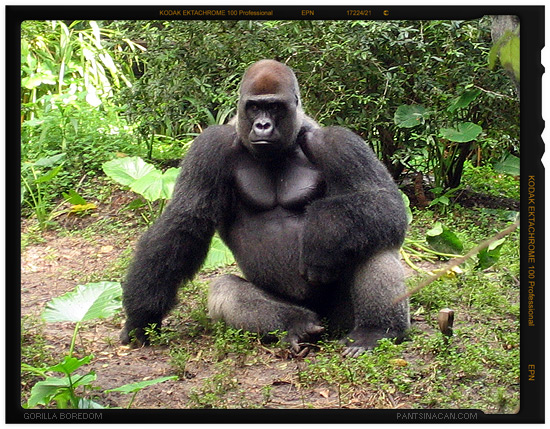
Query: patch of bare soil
{"type": "Point", "coordinates": [60, 261]}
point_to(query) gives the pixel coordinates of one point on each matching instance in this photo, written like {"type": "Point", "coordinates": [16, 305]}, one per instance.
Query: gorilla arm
{"type": "Point", "coordinates": [175, 246]}
{"type": "Point", "coordinates": [362, 212]}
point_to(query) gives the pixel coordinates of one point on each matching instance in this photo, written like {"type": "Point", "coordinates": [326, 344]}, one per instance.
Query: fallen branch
{"type": "Point", "coordinates": [456, 262]}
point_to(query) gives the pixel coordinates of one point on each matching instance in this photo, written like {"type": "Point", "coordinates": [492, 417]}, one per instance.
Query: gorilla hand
{"type": "Point", "coordinates": [323, 257]}
{"type": "Point", "coordinates": [134, 333]}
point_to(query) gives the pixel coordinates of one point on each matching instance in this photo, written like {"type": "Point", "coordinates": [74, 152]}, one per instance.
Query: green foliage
{"type": "Point", "coordinates": [409, 116]}
{"type": "Point", "coordinates": [86, 302]}
{"type": "Point", "coordinates": [443, 240]}
{"type": "Point", "coordinates": [62, 390]}
{"type": "Point", "coordinates": [230, 340]}
{"type": "Point", "coordinates": [499, 180]}
{"type": "Point", "coordinates": [435, 149]}
{"type": "Point", "coordinates": [219, 255]}
{"type": "Point", "coordinates": [509, 165]}
{"type": "Point", "coordinates": [69, 74]}
{"type": "Point", "coordinates": [463, 133]}
{"type": "Point", "coordinates": [135, 388]}
{"type": "Point", "coordinates": [144, 179]}
{"type": "Point", "coordinates": [34, 185]}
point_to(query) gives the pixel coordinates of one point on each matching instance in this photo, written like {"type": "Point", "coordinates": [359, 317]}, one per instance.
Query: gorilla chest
{"type": "Point", "coordinates": [289, 184]}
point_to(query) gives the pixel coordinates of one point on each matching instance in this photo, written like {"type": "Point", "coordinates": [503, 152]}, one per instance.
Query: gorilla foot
{"type": "Point", "coordinates": [300, 336]}
{"type": "Point", "coordinates": [361, 340]}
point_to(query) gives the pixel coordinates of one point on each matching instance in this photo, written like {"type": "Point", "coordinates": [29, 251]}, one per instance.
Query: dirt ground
{"type": "Point", "coordinates": [59, 261]}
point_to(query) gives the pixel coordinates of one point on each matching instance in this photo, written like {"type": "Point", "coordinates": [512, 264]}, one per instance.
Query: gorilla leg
{"type": "Point", "coordinates": [374, 287]}
{"type": "Point", "coordinates": [243, 305]}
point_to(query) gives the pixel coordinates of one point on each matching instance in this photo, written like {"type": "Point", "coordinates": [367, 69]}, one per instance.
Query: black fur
{"type": "Point", "coordinates": [313, 218]}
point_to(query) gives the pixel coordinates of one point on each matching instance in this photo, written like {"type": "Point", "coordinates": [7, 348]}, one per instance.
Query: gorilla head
{"type": "Point", "coordinates": [269, 111]}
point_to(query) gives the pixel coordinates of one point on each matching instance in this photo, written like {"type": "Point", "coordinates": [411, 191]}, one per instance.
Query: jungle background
{"type": "Point", "coordinates": [109, 108]}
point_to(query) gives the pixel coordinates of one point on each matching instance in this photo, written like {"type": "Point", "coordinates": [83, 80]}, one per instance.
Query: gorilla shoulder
{"type": "Point", "coordinates": [218, 135]}
{"type": "Point", "coordinates": [334, 144]}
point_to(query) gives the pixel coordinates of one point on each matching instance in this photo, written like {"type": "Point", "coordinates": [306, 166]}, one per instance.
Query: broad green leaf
{"type": "Point", "coordinates": [407, 203]}
{"type": "Point", "coordinates": [219, 254]}
{"type": "Point", "coordinates": [509, 165]}
{"type": "Point", "coordinates": [443, 240]}
{"type": "Point", "coordinates": [74, 197]}
{"type": "Point", "coordinates": [490, 256]}
{"type": "Point", "coordinates": [44, 391]}
{"type": "Point", "coordinates": [443, 199]}
{"type": "Point", "coordinates": [136, 387]}
{"type": "Point", "coordinates": [169, 179]}
{"type": "Point", "coordinates": [150, 185]}
{"type": "Point", "coordinates": [49, 161]}
{"type": "Point", "coordinates": [86, 302]}
{"type": "Point", "coordinates": [46, 177]}
{"type": "Point", "coordinates": [127, 170]}
{"type": "Point", "coordinates": [409, 116]}
{"type": "Point", "coordinates": [464, 100]}
{"type": "Point", "coordinates": [88, 404]}
{"type": "Point", "coordinates": [465, 132]}
{"type": "Point", "coordinates": [70, 364]}
{"type": "Point", "coordinates": [156, 185]}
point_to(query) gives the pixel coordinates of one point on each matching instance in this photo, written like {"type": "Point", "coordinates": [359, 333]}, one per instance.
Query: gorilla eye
{"type": "Point", "coordinates": [277, 107]}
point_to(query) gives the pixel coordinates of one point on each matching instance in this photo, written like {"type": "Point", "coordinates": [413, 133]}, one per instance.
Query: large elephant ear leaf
{"type": "Point", "coordinates": [409, 116]}
{"type": "Point", "coordinates": [443, 240]}
{"type": "Point", "coordinates": [127, 170]}
{"type": "Point", "coordinates": [86, 302]}
{"type": "Point", "coordinates": [464, 132]}
{"type": "Point", "coordinates": [219, 254]}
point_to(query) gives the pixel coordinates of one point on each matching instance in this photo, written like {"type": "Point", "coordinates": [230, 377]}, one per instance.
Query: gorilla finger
{"type": "Point", "coordinates": [295, 346]}
{"type": "Point", "coordinates": [302, 353]}
{"type": "Point", "coordinates": [353, 351]}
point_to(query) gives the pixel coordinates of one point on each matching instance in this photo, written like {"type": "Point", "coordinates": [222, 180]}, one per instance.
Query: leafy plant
{"type": "Point", "coordinates": [443, 240]}
{"type": "Point", "coordinates": [135, 388]}
{"type": "Point", "coordinates": [86, 302]}
{"type": "Point", "coordinates": [34, 180]}
{"type": "Point", "coordinates": [442, 150]}
{"type": "Point", "coordinates": [219, 254]}
{"type": "Point", "coordinates": [69, 73]}
{"type": "Point", "coordinates": [144, 179]}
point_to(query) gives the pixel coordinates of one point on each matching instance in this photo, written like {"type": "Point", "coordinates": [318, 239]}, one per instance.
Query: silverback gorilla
{"type": "Point", "coordinates": [313, 218]}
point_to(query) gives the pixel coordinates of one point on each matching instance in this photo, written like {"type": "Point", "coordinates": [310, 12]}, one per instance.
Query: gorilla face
{"type": "Point", "coordinates": [269, 111]}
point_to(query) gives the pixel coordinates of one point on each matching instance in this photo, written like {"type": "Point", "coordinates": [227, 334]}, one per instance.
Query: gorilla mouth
{"type": "Point", "coordinates": [262, 142]}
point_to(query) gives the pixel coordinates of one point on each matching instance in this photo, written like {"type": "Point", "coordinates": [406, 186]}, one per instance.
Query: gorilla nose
{"type": "Point", "coordinates": [263, 128]}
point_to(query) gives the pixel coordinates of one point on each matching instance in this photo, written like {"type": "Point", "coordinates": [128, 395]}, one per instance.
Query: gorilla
{"type": "Point", "coordinates": [313, 218]}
